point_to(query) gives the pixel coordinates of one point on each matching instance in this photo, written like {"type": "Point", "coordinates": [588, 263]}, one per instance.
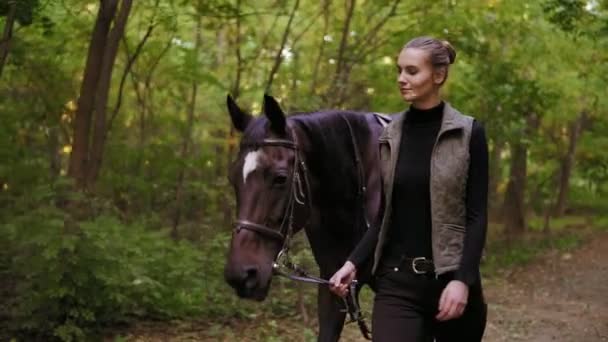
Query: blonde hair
{"type": "Point", "coordinates": [441, 52]}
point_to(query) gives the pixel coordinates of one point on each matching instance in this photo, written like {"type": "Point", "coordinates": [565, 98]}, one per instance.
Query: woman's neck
{"type": "Point", "coordinates": [417, 116]}
{"type": "Point", "coordinates": [428, 103]}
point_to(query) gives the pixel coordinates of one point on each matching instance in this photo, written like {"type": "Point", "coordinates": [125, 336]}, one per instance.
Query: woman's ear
{"type": "Point", "coordinates": [440, 75]}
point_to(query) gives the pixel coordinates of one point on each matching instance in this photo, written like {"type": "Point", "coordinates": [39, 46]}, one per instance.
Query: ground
{"type": "Point", "coordinates": [559, 296]}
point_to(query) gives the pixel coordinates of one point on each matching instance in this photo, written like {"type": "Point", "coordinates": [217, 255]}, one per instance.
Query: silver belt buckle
{"type": "Point", "coordinates": [417, 271]}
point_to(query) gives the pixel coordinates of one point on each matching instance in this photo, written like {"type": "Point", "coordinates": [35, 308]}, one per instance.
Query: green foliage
{"type": "Point", "coordinates": [504, 256]}
{"type": "Point", "coordinates": [71, 278]}
{"type": "Point", "coordinates": [25, 9]}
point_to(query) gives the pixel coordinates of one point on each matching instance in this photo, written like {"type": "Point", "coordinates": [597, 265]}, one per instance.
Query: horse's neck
{"type": "Point", "coordinates": [330, 156]}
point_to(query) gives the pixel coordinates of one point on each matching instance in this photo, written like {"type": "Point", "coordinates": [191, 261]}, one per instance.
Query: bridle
{"type": "Point", "coordinates": [299, 195]}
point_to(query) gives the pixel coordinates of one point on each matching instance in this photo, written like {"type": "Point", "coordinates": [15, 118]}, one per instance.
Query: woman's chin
{"type": "Point", "coordinates": [408, 98]}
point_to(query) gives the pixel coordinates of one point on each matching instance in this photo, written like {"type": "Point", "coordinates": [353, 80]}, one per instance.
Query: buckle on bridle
{"type": "Point", "coordinates": [416, 270]}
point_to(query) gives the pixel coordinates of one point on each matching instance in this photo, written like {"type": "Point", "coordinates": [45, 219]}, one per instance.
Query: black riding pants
{"type": "Point", "coordinates": [406, 303]}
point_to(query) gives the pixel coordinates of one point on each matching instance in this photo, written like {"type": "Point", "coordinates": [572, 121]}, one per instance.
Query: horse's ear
{"type": "Point", "coordinates": [275, 114]}
{"type": "Point", "coordinates": [240, 119]}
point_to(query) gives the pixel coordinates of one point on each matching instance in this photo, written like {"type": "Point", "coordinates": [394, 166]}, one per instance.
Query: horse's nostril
{"type": "Point", "coordinates": [251, 276]}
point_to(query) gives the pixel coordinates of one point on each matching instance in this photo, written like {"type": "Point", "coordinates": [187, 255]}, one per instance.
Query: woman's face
{"type": "Point", "coordinates": [418, 80]}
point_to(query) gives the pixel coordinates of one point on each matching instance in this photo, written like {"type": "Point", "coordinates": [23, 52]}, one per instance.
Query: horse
{"type": "Point", "coordinates": [316, 172]}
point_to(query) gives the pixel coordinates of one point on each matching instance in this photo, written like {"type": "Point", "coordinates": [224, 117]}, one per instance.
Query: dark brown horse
{"type": "Point", "coordinates": [312, 171]}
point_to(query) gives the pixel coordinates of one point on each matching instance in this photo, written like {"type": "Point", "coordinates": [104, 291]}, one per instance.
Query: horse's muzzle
{"type": "Point", "coordinates": [247, 282]}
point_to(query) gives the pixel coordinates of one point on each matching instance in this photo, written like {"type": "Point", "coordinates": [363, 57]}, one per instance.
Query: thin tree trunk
{"type": "Point", "coordinates": [317, 65]}
{"type": "Point", "coordinates": [84, 113]}
{"type": "Point", "coordinates": [236, 87]}
{"type": "Point", "coordinates": [7, 35]}
{"type": "Point", "coordinates": [338, 81]}
{"type": "Point", "coordinates": [179, 190]}
{"type": "Point", "coordinates": [100, 131]}
{"type": "Point", "coordinates": [279, 56]}
{"type": "Point", "coordinates": [495, 174]}
{"type": "Point", "coordinates": [144, 102]}
{"type": "Point", "coordinates": [514, 207]}
{"type": "Point", "coordinates": [567, 163]}
{"type": "Point", "coordinates": [53, 148]}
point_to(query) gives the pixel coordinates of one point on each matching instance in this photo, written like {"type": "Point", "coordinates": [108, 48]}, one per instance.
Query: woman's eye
{"type": "Point", "coordinates": [279, 180]}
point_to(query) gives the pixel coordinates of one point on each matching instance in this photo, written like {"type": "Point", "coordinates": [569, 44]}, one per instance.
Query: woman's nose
{"type": "Point", "coordinates": [401, 78]}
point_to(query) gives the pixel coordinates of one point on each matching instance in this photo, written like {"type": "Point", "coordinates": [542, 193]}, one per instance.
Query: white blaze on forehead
{"type": "Point", "coordinates": [251, 163]}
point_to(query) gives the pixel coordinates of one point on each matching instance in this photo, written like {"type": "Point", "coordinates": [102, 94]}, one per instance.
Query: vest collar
{"type": "Point", "coordinates": [451, 119]}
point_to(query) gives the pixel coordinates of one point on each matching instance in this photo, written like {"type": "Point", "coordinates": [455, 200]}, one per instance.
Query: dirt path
{"type": "Point", "coordinates": [559, 297]}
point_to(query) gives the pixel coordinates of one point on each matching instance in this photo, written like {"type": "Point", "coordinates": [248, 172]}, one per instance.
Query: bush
{"type": "Point", "coordinates": [70, 281]}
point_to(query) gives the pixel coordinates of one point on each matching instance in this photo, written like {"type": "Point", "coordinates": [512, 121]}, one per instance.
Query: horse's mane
{"type": "Point", "coordinates": [333, 156]}
{"type": "Point", "coordinates": [331, 141]}
{"type": "Point", "coordinates": [331, 160]}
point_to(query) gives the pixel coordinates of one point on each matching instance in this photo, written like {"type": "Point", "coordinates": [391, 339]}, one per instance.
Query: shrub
{"type": "Point", "coordinates": [69, 281]}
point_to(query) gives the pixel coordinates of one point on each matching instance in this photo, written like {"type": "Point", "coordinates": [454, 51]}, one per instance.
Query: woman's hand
{"type": "Point", "coordinates": [453, 300]}
{"type": "Point", "coordinates": [340, 281]}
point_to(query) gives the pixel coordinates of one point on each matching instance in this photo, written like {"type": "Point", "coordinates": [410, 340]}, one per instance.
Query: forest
{"type": "Point", "coordinates": [115, 144]}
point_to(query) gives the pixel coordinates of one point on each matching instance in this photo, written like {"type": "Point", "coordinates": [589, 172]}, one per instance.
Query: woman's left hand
{"type": "Point", "coordinates": [453, 300]}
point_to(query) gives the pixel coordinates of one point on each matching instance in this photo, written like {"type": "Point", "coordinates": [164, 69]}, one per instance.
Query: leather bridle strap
{"type": "Point", "coordinates": [271, 142]}
{"type": "Point", "coordinates": [258, 228]}
{"type": "Point", "coordinates": [285, 229]}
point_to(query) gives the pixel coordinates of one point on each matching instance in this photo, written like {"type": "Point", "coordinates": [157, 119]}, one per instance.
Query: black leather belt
{"type": "Point", "coordinates": [417, 265]}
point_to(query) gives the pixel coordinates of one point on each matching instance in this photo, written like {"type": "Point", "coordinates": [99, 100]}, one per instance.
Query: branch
{"type": "Point", "coordinates": [312, 22]}
{"type": "Point", "coordinates": [369, 37]}
{"type": "Point", "coordinates": [264, 44]}
{"type": "Point", "coordinates": [278, 58]}
{"type": "Point", "coordinates": [128, 67]}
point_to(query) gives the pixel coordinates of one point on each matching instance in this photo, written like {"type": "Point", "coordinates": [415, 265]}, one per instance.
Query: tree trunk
{"type": "Point", "coordinates": [84, 113]}
{"type": "Point", "coordinates": [339, 79]}
{"type": "Point", "coordinates": [317, 65]}
{"type": "Point", "coordinates": [103, 90]}
{"type": "Point", "coordinates": [187, 137]}
{"type": "Point", "coordinates": [7, 35]}
{"type": "Point", "coordinates": [53, 148]}
{"type": "Point", "coordinates": [567, 163]}
{"type": "Point", "coordinates": [514, 207]}
{"type": "Point", "coordinates": [236, 87]}
{"type": "Point", "coordinates": [495, 167]}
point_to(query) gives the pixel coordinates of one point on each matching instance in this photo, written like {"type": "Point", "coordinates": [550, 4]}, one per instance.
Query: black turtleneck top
{"type": "Point", "coordinates": [409, 234]}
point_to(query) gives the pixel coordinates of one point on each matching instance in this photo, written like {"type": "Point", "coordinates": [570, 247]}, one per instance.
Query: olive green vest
{"type": "Point", "coordinates": [448, 178]}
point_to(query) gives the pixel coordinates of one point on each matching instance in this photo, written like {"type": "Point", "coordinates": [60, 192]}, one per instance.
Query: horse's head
{"type": "Point", "coordinates": [262, 178]}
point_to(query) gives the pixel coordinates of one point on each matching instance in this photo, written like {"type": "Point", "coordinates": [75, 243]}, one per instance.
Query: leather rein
{"type": "Point", "coordinates": [298, 196]}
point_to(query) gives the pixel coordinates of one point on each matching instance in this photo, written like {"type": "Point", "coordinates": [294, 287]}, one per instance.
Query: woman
{"type": "Point", "coordinates": [427, 250]}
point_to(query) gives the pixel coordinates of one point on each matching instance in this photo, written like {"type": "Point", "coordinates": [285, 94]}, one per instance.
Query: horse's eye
{"type": "Point", "coordinates": [279, 180]}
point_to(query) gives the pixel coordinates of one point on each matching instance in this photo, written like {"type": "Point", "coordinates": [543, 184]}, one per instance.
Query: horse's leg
{"type": "Point", "coordinates": [329, 257]}
{"type": "Point", "coordinates": [330, 314]}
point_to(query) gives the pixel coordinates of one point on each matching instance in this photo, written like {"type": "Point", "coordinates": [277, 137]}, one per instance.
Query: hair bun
{"type": "Point", "coordinates": [451, 50]}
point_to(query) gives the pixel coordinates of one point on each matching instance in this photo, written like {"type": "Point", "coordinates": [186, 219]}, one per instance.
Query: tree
{"type": "Point", "coordinates": [90, 124]}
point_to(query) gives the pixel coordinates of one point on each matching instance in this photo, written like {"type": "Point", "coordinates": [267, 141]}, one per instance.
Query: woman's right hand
{"type": "Point", "coordinates": [340, 281]}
